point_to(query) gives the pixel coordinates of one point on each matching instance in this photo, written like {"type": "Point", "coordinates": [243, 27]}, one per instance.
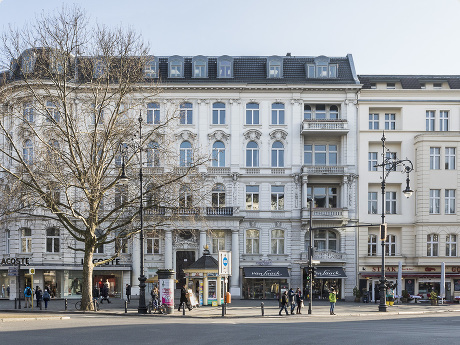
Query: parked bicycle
{"type": "Point", "coordinates": [78, 305]}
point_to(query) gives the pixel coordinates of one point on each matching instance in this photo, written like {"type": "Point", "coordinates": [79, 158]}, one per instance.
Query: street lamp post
{"type": "Point", "coordinates": [142, 308]}
{"type": "Point", "coordinates": [389, 164]}
{"type": "Point", "coordinates": [310, 259]}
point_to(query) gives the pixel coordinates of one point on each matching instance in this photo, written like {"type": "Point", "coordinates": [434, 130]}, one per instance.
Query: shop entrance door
{"type": "Point", "coordinates": [184, 258]}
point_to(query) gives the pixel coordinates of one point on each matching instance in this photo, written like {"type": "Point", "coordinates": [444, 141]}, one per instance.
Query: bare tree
{"type": "Point", "coordinates": [70, 99]}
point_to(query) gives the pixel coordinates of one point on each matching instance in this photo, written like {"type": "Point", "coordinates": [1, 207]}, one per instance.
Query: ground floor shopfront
{"type": "Point", "coordinates": [416, 280]}
{"type": "Point", "coordinates": [325, 278]}
{"type": "Point", "coordinates": [265, 282]}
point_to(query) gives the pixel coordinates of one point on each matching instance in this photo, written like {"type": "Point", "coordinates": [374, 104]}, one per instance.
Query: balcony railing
{"type": "Point", "coordinates": [326, 213]}
{"type": "Point", "coordinates": [186, 211]}
{"type": "Point", "coordinates": [323, 169]}
{"type": "Point", "coordinates": [219, 170]}
{"type": "Point", "coordinates": [329, 125]}
{"type": "Point", "coordinates": [219, 211]}
{"type": "Point", "coordinates": [155, 211]}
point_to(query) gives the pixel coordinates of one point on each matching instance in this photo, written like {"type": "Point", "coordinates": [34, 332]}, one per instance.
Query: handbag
{"type": "Point", "coordinates": [301, 303]}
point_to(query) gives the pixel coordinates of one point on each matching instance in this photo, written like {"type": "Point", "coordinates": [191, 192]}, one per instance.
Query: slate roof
{"type": "Point", "coordinates": [410, 81]}
{"type": "Point", "coordinates": [206, 262]}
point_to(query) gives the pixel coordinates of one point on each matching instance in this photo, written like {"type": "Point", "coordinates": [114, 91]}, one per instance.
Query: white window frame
{"type": "Point", "coordinates": [315, 191]}
{"type": "Point", "coordinates": [26, 240]}
{"type": "Point", "coordinates": [186, 113]}
{"type": "Point", "coordinates": [218, 195]}
{"type": "Point", "coordinates": [52, 112]}
{"type": "Point", "coordinates": [186, 154]}
{"type": "Point", "coordinates": [451, 245]}
{"type": "Point", "coordinates": [218, 113]}
{"type": "Point", "coordinates": [372, 161]}
{"type": "Point", "coordinates": [430, 120]}
{"type": "Point", "coordinates": [277, 155]}
{"type": "Point", "coordinates": [372, 245]}
{"type": "Point", "coordinates": [449, 201]}
{"type": "Point", "coordinates": [314, 150]}
{"type": "Point", "coordinates": [152, 243]}
{"type": "Point", "coordinates": [390, 121]}
{"type": "Point", "coordinates": [252, 197]}
{"type": "Point", "coordinates": [225, 67]}
{"type": "Point", "coordinates": [252, 155]}
{"type": "Point", "coordinates": [277, 242]}
{"type": "Point", "coordinates": [252, 114]}
{"type": "Point", "coordinates": [373, 121]}
{"type": "Point", "coordinates": [435, 158]}
{"type": "Point", "coordinates": [29, 112]}
{"type": "Point", "coordinates": [390, 202]}
{"type": "Point", "coordinates": [277, 198]}
{"type": "Point", "coordinates": [28, 152]}
{"type": "Point", "coordinates": [151, 69]}
{"type": "Point", "coordinates": [217, 240]}
{"type": "Point", "coordinates": [51, 241]}
{"type": "Point", "coordinates": [153, 113]}
{"type": "Point", "coordinates": [252, 241]}
{"type": "Point", "coordinates": [450, 158]}
{"type": "Point", "coordinates": [372, 202]}
{"type": "Point", "coordinates": [7, 241]}
{"type": "Point", "coordinates": [432, 243]}
{"type": "Point", "coordinates": [390, 245]}
{"type": "Point", "coordinates": [444, 120]}
{"type": "Point", "coordinates": [278, 117]}
{"type": "Point", "coordinates": [218, 154]}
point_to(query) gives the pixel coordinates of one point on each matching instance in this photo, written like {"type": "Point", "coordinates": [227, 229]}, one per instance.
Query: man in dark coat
{"type": "Point", "coordinates": [128, 292]}
{"type": "Point", "coordinates": [284, 302]}
{"type": "Point", "coordinates": [183, 298]}
{"type": "Point", "coordinates": [105, 294]}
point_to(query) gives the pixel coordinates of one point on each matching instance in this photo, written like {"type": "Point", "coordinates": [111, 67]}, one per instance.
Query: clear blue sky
{"type": "Point", "coordinates": [385, 37]}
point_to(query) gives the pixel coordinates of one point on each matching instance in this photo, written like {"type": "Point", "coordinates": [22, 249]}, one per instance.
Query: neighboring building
{"type": "Point", "coordinates": [280, 130]}
{"type": "Point", "coordinates": [420, 116]}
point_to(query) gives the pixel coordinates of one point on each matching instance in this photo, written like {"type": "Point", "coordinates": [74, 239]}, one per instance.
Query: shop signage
{"type": "Point", "coordinates": [15, 261]}
{"type": "Point", "coordinates": [114, 262]}
{"type": "Point", "coordinates": [225, 263]}
{"type": "Point", "coordinates": [329, 272]}
{"type": "Point", "coordinates": [263, 272]}
{"type": "Point", "coordinates": [13, 271]}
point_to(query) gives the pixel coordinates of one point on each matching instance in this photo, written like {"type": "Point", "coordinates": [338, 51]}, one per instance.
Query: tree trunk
{"type": "Point", "coordinates": [87, 288]}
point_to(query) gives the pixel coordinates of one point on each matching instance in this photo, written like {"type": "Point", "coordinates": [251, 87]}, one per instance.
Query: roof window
{"type": "Point", "coordinates": [225, 66]}
{"type": "Point", "coordinates": [176, 67]}
{"type": "Point", "coordinates": [322, 68]}
{"type": "Point", "coordinates": [274, 67]}
{"type": "Point", "coordinates": [200, 67]}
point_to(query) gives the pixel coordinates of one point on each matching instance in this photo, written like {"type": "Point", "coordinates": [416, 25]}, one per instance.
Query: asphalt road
{"type": "Point", "coordinates": [83, 329]}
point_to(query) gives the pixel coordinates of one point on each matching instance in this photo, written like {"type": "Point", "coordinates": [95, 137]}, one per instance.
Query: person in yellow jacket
{"type": "Point", "coordinates": [333, 300]}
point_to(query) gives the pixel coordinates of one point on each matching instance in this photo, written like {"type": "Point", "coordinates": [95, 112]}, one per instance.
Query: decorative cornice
{"type": "Point", "coordinates": [186, 135]}
{"type": "Point", "coordinates": [219, 135]}
{"type": "Point", "coordinates": [252, 134]}
{"type": "Point", "coordinates": [278, 134]}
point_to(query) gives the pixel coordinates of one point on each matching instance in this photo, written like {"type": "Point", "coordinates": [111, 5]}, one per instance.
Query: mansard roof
{"type": "Point", "coordinates": [409, 81]}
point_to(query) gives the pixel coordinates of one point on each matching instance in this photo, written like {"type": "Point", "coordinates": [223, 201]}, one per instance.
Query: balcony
{"type": "Point", "coordinates": [324, 169]}
{"type": "Point", "coordinates": [324, 256]}
{"type": "Point", "coordinates": [321, 127]}
{"type": "Point", "coordinates": [155, 211]}
{"type": "Point", "coordinates": [186, 211]}
{"type": "Point", "coordinates": [219, 211]}
{"type": "Point", "coordinates": [326, 213]}
{"type": "Point", "coordinates": [153, 170]}
{"type": "Point", "coordinates": [218, 171]}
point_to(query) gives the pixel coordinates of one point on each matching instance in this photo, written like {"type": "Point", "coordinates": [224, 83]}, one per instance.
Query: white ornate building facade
{"type": "Point", "coordinates": [280, 130]}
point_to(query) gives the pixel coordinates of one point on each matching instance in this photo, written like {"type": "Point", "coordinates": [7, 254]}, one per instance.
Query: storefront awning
{"type": "Point", "coordinates": [266, 272]}
{"type": "Point", "coordinates": [329, 272]}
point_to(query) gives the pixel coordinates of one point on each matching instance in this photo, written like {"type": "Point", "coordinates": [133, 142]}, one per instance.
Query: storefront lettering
{"type": "Point", "coordinates": [15, 261]}
{"type": "Point", "coordinates": [329, 273]}
{"type": "Point", "coordinates": [114, 262]}
{"type": "Point", "coordinates": [456, 269]}
{"type": "Point", "coordinates": [267, 273]}
{"type": "Point", "coordinates": [264, 263]}
{"type": "Point", "coordinates": [388, 269]}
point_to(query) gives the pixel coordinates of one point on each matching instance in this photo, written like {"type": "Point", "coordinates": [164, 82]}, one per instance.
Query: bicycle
{"type": "Point", "coordinates": [78, 305]}
{"type": "Point", "coordinates": [157, 307]}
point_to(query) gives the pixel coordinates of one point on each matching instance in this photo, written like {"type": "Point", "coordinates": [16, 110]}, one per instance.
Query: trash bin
{"type": "Point", "coordinates": [228, 298]}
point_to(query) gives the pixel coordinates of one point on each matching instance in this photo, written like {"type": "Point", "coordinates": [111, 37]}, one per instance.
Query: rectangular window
{"type": "Point", "coordinates": [200, 70]}
{"type": "Point", "coordinates": [391, 86]}
{"type": "Point", "coordinates": [175, 71]}
{"type": "Point", "coordinates": [372, 161]}
{"type": "Point", "coordinates": [320, 112]}
{"type": "Point", "coordinates": [390, 122]}
{"type": "Point", "coordinates": [430, 120]}
{"type": "Point", "coordinates": [8, 241]}
{"type": "Point", "coordinates": [323, 196]}
{"type": "Point", "coordinates": [390, 245]}
{"type": "Point", "coordinates": [252, 241]}
{"type": "Point", "coordinates": [252, 197]}
{"type": "Point", "coordinates": [372, 245]}
{"type": "Point", "coordinates": [449, 201]}
{"type": "Point", "coordinates": [277, 198]}
{"type": "Point", "coordinates": [26, 240]}
{"type": "Point", "coordinates": [372, 202]}
{"type": "Point", "coordinates": [332, 71]}
{"type": "Point", "coordinates": [218, 240]}
{"type": "Point", "coordinates": [437, 86]}
{"type": "Point", "coordinates": [435, 158]}
{"type": "Point", "coordinates": [432, 242]}
{"type": "Point", "coordinates": [320, 154]}
{"type": "Point", "coordinates": [311, 71]}
{"type": "Point", "coordinates": [390, 158]}
{"type": "Point", "coordinates": [153, 244]}
{"type": "Point", "coordinates": [52, 240]}
{"type": "Point", "coordinates": [321, 71]}
{"type": "Point", "coordinates": [449, 162]}
{"type": "Point", "coordinates": [252, 114]}
{"type": "Point", "coordinates": [444, 120]}
{"type": "Point", "coordinates": [390, 202]}
{"type": "Point", "coordinates": [451, 245]}
{"type": "Point", "coordinates": [373, 121]}
{"type": "Point", "coordinates": [308, 154]}
{"type": "Point", "coordinates": [99, 249]}
{"type": "Point", "coordinates": [435, 201]}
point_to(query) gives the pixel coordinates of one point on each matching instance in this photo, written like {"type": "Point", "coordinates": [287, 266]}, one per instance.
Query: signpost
{"type": "Point", "coordinates": [225, 269]}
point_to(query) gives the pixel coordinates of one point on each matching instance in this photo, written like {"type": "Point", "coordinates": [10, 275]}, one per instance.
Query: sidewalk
{"type": "Point", "coordinates": [238, 309]}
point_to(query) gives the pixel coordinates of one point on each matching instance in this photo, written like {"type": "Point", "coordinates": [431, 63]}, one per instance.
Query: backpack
{"type": "Point", "coordinates": [46, 296]}
{"type": "Point", "coordinates": [27, 292]}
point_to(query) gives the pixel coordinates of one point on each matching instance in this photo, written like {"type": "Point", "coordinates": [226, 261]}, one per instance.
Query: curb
{"type": "Point", "coordinates": [35, 318]}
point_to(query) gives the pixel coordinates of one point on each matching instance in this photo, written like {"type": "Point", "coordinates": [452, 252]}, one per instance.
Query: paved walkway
{"type": "Point", "coordinates": [238, 308]}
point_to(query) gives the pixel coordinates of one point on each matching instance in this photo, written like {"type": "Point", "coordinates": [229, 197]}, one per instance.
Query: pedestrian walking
{"type": "Point", "coordinates": [298, 300]}
{"type": "Point", "coordinates": [46, 297]}
{"type": "Point", "coordinates": [105, 294]}
{"type": "Point", "coordinates": [333, 300]}
{"type": "Point", "coordinates": [28, 296]}
{"type": "Point", "coordinates": [183, 298]}
{"type": "Point", "coordinates": [96, 291]}
{"type": "Point", "coordinates": [284, 303]}
{"type": "Point", "coordinates": [291, 297]}
{"type": "Point", "coordinates": [38, 295]}
{"type": "Point", "coordinates": [128, 292]}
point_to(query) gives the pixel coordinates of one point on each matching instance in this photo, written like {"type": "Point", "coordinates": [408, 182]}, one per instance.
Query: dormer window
{"type": "Point", "coordinates": [151, 68]}
{"type": "Point", "coordinates": [56, 62]}
{"type": "Point", "coordinates": [373, 86]}
{"type": "Point", "coordinates": [28, 62]}
{"type": "Point", "coordinates": [437, 85]}
{"type": "Point", "coordinates": [274, 67]}
{"type": "Point", "coordinates": [322, 68]}
{"type": "Point", "coordinates": [225, 66]}
{"type": "Point", "coordinates": [176, 67]}
{"type": "Point", "coordinates": [391, 86]}
{"type": "Point", "coordinates": [200, 67]}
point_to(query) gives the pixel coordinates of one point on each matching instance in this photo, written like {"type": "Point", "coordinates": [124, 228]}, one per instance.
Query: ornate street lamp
{"type": "Point", "coordinates": [388, 165]}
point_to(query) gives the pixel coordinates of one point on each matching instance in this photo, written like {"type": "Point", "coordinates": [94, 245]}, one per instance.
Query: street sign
{"type": "Point", "coordinates": [31, 270]}
{"type": "Point", "coordinates": [13, 271]}
{"type": "Point", "coordinates": [225, 263]}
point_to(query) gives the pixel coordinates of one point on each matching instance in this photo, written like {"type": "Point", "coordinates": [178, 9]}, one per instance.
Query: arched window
{"type": "Point", "coordinates": [432, 244]}
{"type": "Point", "coordinates": [176, 66]}
{"type": "Point", "coordinates": [52, 240]}
{"type": "Point", "coordinates": [333, 112]}
{"type": "Point", "coordinates": [277, 242]}
{"type": "Point", "coordinates": [252, 241]}
{"type": "Point", "coordinates": [225, 66]}
{"type": "Point", "coordinates": [252, 154]}
{"type": "Point", "coordinates": [186, 113]}
{"type": "Point", "coordinates": [200, 67]}
{"type": "Point", "coordinates": [52, 112]}
{"type": "Point", "coordinates": [252, 114]}
{"type": "Point", "coordinates": [28, 61]}
{"type": "Point", "coordinates": [185, 154]}
{"type": "Point", "coordinates": [218, 154]}
{"type": "Point", "coordinates": [153, 154]}
{"type": "Point", "coordinates": [218, 195]}
{"type": "Point", "coordinates": [277, 155]}
{"type": "Point", "coordinates": [277, 114]}
{"type": "Point", "coordinates": [218, 113]}
{"type": "Point", "coordinates": [185, 197]}
{"type": "Point", "coordinates": [28, 152]}
{"type": "Point", "coordinates": [151, 68]}
{"type": "Point", "coordinates": [153, 113]}
{"type": "Point", "coordinates": [274, 67]}
{"type": "Point", "coordinates": [323, 240]}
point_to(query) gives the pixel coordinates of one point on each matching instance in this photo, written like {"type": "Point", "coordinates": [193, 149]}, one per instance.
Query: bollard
{"type": "Point", "coordinates": [94, 305]}
{"type": "Point", "coordinates": [262, 308]}
{"type": "Point", "coordinates": [126, 307]}
{"type": "Point", "coordinates": [15, 303]}
{"type": "Point", "coordinates": [40, 304]}
{"type": "Point", "coordinates": [183, 309]}
{"type": "Point", "coordinates": [65, 304]}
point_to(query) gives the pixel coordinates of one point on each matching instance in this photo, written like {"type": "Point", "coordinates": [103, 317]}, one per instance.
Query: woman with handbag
{"type": "Point", "coordinates": [299, 300]}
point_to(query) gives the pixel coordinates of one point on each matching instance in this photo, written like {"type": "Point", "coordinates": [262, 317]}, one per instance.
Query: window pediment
{"type": "Point", "coordinates": [219, 136]}
{"type": "Point", "coordinates": [186, 135]}
{"type": "Point", "coordinates": [253, 134]}
{"type": "Point", "coordinates": [278, 134]}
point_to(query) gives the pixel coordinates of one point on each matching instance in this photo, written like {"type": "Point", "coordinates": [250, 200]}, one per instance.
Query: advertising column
{"type": "Point", "coordinates": [166, 287]}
